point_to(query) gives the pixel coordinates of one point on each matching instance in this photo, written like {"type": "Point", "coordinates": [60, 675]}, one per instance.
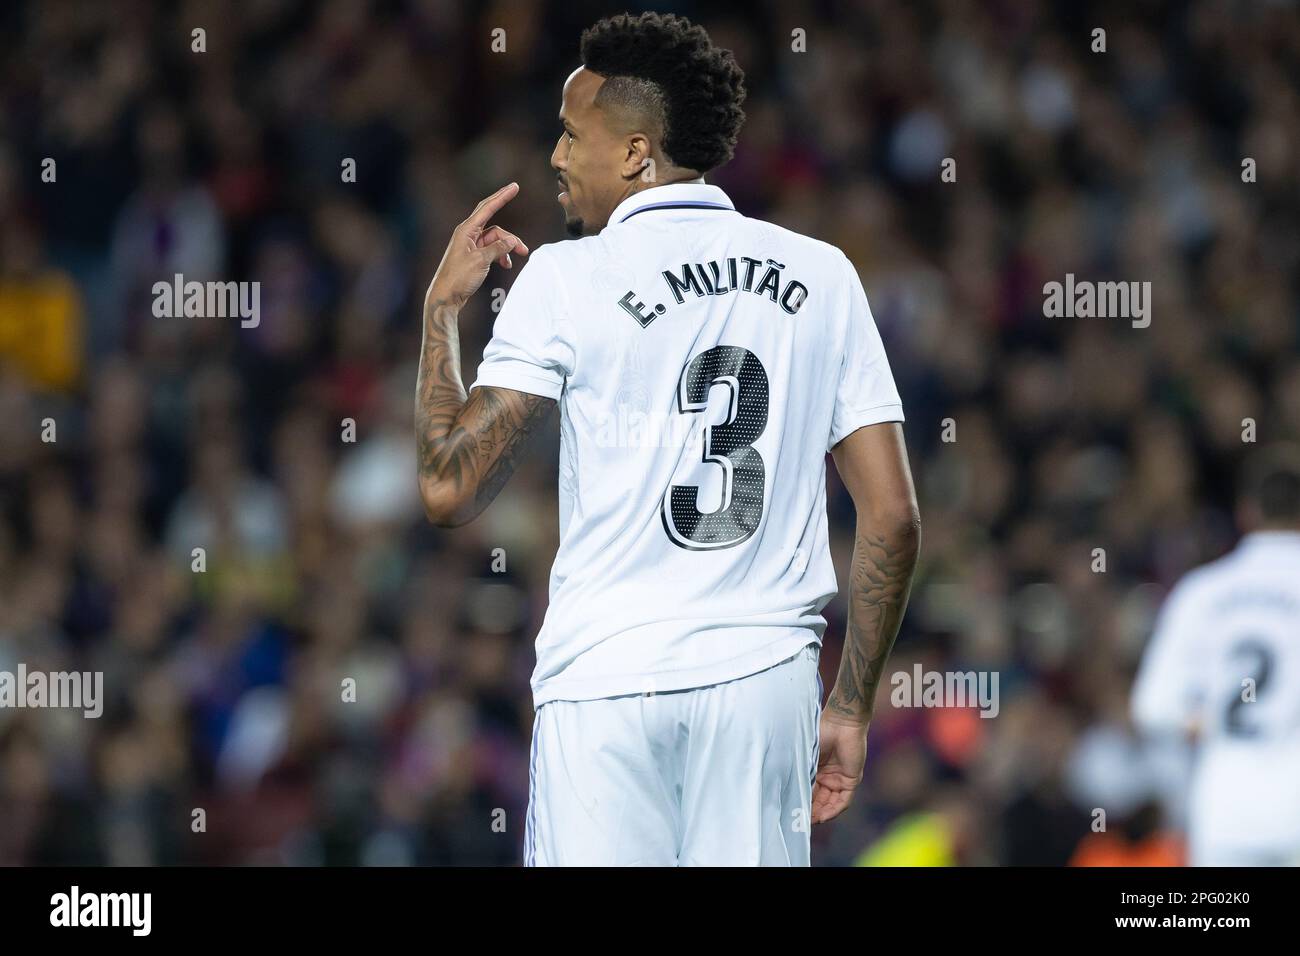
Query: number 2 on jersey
{"type": "Point", "coordinates": [1259, 659]}
{"type": "Point", "coordinates": [728, 445]}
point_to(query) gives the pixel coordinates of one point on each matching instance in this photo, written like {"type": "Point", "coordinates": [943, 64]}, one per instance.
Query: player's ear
{"type": "Point", "coordinates": [638, 156]}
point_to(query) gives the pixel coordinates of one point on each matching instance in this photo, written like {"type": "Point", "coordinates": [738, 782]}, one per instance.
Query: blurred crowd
{"type": "Point", "coordinates": [224, 520]}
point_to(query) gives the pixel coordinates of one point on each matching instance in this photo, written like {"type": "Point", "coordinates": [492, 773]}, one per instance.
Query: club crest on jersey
{"type": "Point", "coordinates": [721, 277]}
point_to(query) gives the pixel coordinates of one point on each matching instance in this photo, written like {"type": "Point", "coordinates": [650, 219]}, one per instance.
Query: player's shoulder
{"type": "Point", "coordinates": [818, 251]}
{"type": "Point", "coordinates": [571, 259]}
{"type": "Point", "coordinates": [592, 258]}
{"type": "Point", "coordinates": [565, 252]}
{"type": "Point", "coordinates": [1204, 581]}
{"type": "Point", "coordinates": [548, 255]}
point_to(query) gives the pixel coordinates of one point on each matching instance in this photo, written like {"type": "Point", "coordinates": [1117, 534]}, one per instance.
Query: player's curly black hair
{"type": "Point", "coordinates": [699, 87]}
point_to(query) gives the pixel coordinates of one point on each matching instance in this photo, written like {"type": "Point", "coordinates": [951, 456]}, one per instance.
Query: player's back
{"type": "Point", "coordinates": [709, 361]}
{"type": "Point", "coordinates": [1226, 656]}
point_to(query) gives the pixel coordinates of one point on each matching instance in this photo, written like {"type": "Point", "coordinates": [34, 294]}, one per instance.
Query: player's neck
{"type": "Point", "coordinates": [682, 176]}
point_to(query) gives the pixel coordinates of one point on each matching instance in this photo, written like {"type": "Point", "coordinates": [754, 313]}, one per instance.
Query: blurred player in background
{"type": "Point", "coordinates": [678, 707]}
{"type": "Point", "coordinates": [1224, 668]}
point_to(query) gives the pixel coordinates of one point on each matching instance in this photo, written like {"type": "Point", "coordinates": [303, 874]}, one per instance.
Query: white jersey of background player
{"type": "Point", "coordinates": [704, 363]}
{"type": "Point", "coordinates": [1224, 666]}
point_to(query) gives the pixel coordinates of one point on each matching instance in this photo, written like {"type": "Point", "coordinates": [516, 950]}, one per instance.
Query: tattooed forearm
{"type": "Point", "coordinates": [507, 420]}
{"type": "Point", "coordinates": [468, 447]}
{"type": "Point", "coordinates": [880, 582]}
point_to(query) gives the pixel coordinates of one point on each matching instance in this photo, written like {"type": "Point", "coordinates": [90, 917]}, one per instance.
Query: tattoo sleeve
{"type": "Point", "coordinates": [879, 585]}
{"type": "Point", "coordinates": [468, 447]}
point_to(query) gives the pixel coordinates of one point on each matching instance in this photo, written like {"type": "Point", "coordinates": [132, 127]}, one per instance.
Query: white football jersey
{"type": "Point", "coordinates": [1225, 657]}
{"type": "Point", "coordinates": [704, 364]}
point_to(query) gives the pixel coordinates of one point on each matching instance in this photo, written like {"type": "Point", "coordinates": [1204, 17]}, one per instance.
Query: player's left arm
{"type": "Point", "coordinates": [1165, 698]}
{"type": "Point", "coordinates": [468, 445]}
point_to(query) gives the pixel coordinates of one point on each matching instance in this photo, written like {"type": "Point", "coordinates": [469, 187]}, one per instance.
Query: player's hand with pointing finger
{"type": "Point", "coordinates": [474, 246]}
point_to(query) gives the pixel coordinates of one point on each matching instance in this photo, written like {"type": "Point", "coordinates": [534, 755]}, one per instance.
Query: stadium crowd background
{"type": "Point", "coordinates": [223, 687]}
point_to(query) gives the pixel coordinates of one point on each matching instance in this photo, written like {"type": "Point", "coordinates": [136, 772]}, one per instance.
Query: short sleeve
{"type": "Point", "coordinates": [865, 393]}
{"type": "Point", "coordinates": [532, 348]}
{"type": "Point", "coordinates": [1167, 692]}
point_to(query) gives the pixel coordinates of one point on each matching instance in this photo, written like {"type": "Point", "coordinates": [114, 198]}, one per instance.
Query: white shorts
{"type": "Point", "coordinates": [711, 776]}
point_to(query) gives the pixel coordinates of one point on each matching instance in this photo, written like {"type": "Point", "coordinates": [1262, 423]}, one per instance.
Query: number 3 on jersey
{"type": "Point", "coordinates": [728, 445]}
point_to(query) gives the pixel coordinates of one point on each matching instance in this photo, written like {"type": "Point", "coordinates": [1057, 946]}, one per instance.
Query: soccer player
{"type": "Point", "coordinates": [704, 363]}
{"type": "Point", "coordinates": [1223, 668]}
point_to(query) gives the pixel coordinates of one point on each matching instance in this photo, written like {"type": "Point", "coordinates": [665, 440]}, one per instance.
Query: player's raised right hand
{"type": "Point", "coordinates": [473, 247]}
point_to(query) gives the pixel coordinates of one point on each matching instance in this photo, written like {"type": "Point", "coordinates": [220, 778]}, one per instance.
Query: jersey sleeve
{"type": "Point", "coordinates": [865, 393]}
{"type": "Point", "coordinates": [1168, 690]}
{"type": "Point", "coordinates": [532, 348]}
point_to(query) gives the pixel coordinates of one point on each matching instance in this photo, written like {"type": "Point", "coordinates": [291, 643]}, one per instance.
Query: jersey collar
{"type": "Point", "coordinates": [672, 196]}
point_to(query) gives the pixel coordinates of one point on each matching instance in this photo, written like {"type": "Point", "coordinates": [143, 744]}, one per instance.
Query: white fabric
{"type": "Point", "coordinates": [1229, 631]}
{"type": "Point", "coordinates": [711, 776]}
{"type": "Point", "coordinates": [654, 588]}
